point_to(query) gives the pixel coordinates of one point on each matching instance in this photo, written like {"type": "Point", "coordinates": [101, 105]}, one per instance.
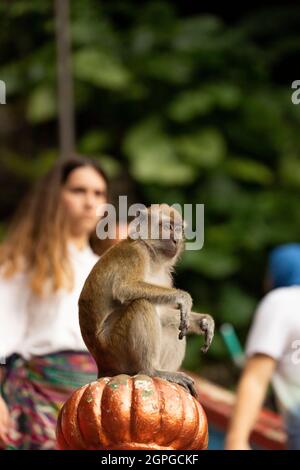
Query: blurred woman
{"type": "Point", "coordinates": [44, 262]}
{"type": "Point", "coordinates": [273, 351]}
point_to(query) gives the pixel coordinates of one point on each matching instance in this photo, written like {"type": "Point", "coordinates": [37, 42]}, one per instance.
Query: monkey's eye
{"type": "Point", "coordinates": [178, 230]}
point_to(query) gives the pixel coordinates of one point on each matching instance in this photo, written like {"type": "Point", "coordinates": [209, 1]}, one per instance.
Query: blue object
{"type": "Point", "coordinates": [284, 265]}
{"type": "Point", "coordinates": [216, 438]}
{"type": "Point", "coordinates": [232, 342]}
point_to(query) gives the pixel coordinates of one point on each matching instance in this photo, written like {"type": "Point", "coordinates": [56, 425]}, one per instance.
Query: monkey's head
{"type": "Point", "coordinates": [161, 228]}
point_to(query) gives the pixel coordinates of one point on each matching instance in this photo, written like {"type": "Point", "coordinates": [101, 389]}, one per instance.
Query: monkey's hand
{"type": "Point", "coordinates": [184, 302]}
{"type": "Point", "coordinates": [202, 324]}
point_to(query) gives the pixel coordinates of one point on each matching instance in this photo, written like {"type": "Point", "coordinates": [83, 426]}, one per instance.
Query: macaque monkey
{"type": "Point", "coordinates": [132, 319]}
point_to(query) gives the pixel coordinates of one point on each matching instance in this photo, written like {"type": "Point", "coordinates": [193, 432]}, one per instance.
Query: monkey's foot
{"type": "Point", "coordinates": [203, 324]}
{"type": "Point", "coordinates": [207, 326]}
{"type": "Point", "coordinates": [178, 378]}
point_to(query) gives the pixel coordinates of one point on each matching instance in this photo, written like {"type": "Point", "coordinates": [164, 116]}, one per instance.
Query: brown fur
{"type": "Point", "coordinates": [131, 317]}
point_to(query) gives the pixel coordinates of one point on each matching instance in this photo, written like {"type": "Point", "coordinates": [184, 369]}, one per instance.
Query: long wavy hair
{"type": "Point", "coordinates": [36, 241]}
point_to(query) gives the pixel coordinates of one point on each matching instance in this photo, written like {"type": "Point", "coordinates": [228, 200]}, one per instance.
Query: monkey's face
{"type": "Point", "coordinates": [165, 231]}
{"type": "Point", "coordinates": [171, 239]}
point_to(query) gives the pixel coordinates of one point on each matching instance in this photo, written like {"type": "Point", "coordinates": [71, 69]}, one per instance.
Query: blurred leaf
{"type": "Point", "coordinates": [170, 173]}
{"type": "Point", "coordinates": [169, 67]}
{"type": "Point", "coordinates": [149, 149]}
{"type": "Point", "coordinates": [41, 105]}
{"type": "Point", "coordinates": [199, 102]}
{"type": "Point", "coordinates": [101, 69]}
{"type": "Point", "coordinates": [211, 263]}
{"type": "Point", "coordinates": [225, 95]}
{"type": "Point", "coordinates": [249, 170]}
{"type": "Point", "coordinates": [289, 170]}
{"type": "Point", "coordinates": [93, 141]}
{"type": "Point", "coordinates": [110, 165]}
{"type": "Point", "coordinates": [141, 136]}
{"type": "Point", "coordinates": [90, 27]}
{"type": "Point", "coordinates": [205, 148]}
{"type": "Point", "coordinates": [143, 39]}
{"type": "Point", "coordinates": [190, 104]}
{"type": "Point", "coordinates": [197, 32]}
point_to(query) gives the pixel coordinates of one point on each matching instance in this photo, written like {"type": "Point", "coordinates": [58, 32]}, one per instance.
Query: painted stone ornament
{"type": "Point", "coordinates": [132, 413]}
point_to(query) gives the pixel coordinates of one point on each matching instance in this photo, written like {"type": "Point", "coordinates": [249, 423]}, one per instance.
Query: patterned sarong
{"type": "Point", "coordinates": [36, 389]}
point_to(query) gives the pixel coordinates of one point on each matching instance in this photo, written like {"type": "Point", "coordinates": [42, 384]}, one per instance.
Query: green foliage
{"type": "Point", "coordinates": [236, 305]}
{"type": "Point", "coordinates": [149, 148]}
{"type": "Point", "coordinates": [194, 110]}
{"type": "Point", "coordinates": [212, 264]}
{"type": "Point", "coordinates": [244, 169]}
{"type": "Point", "coordinates": [100, 68]}
{"type": "Point", "coordinates": [205, 148]}
{"type": "Point", "coordinates": [41, 104]}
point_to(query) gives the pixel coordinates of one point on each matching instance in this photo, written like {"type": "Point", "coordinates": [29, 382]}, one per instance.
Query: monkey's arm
{"type": "Point", "coordinates": [199, 323]}
{"type": "Point", "coordinates": [126, 292]}
{"type": "Point", "coordinates": [202, 324]}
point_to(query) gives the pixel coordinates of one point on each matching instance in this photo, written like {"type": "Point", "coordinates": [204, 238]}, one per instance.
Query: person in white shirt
{"type": "Point", "coordinates": [273, 353]}
{"type": "Point", "coordinates": [44, 262]}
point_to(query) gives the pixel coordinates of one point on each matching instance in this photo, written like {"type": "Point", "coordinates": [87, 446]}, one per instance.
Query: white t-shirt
{"type": "Point", "coordinates": [276, 333]}
{"type": "Point", "coordinates": [32, 325]}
